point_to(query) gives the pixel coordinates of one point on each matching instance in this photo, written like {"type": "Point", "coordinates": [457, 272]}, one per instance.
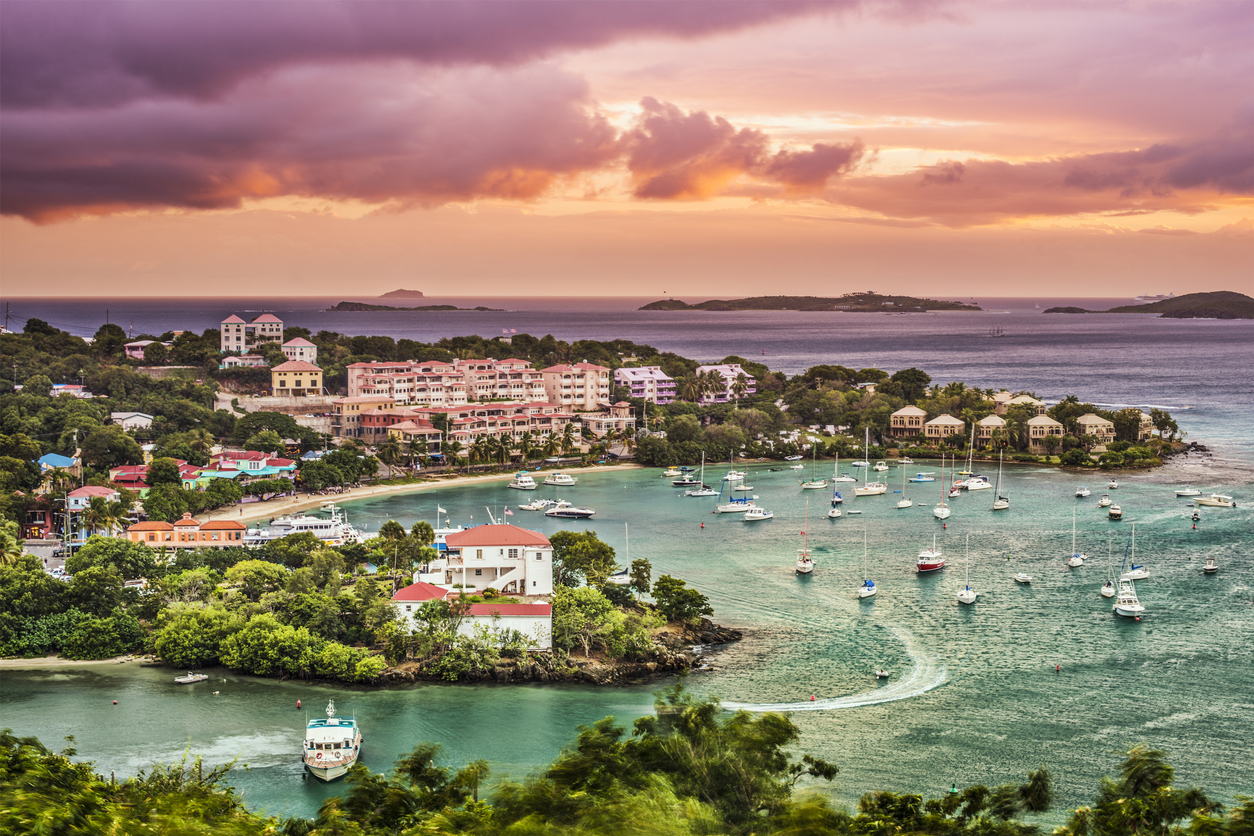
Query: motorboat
{"type": "Point", "coordinates": [793, 458]}
{"type": "Point", "coordinates": [905, 460]}
{"type": "Point", "coordinates": [568, 511]}
{"type": "Point", "coordinates": [1022, 577]}
{"type": "Point", "coordinates": [967, 595]}
{"type": "Point", "coordinates": [523, 482]}
{"type": "Point", "coordinates": [1114, 512]}
{"type": "Point", "coordinates": [868, 588]}
{"type": "Point", "coordinates": [670, 473]}
{"type": "Point", "coordinates": [978, 483]}
{"type": "Point", "coordinates": [334, 531]}
{"type": "Point", "coordinates": [1082, 491]}
{"type": "Point", "coordinates": [922, 477]}
{"type": "Point", "coordinates": [743, 488]}
{"type": "Point", "coordinates": [557, 477]}
{"type": "Point", "coordinates": [538, 504]}
{"type": "Point", "coordinates": [736, 505]}
{"type": "Point", "coordinates": [755, 514]}
{"type": "Point", "coordinates": [1196, 516]}
{"type": "Point", "coordinates": [1211, 566]}
{"type": "Point", "coordinates": [880, 467]}
{"type": "Point", "coordinates": [1216, 500]}
{"type": "Point", "coordinates": [1136, 573]}
{"type": "Point", "coordinates": [880, 673]}
{"type": "Point", "coordinates": [796, 466]}
{"type": "Point", "coordinates": [193, 678]}
{"type": "Point", "coordinates": [1077, 559]}
{"type": "Point", "coordinates": [734, 476]}
{"type": "Point", "coordinates": [1112, 485]}
{"type": "Point", "coordinates": [1104, 502]}
{"type": "Point", "coordinates": [1188, 491]}
{"type": "Point", "coordinates": [332, 745]}
{"type": "Point", "coordinates": [930, 560]}
{"type": "Point", "coordinates": [805, 563]}
{"type": "Point", "coordinates": [1126, 603]}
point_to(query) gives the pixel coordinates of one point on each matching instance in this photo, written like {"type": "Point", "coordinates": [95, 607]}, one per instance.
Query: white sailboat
{"type": "Point", "coordinates": [834, 512]}
{"type": "Point", "coordinates": [869, 488]}
{"type": "Point", "coordinates": [1108, 588]}
{"type": "Point", "coordinates": [702, 489]}
{"type": "Point", "coordinates": [623, 576]}
{"type": "Point", "coordinates": [868, 587]}
{"type": "Point", "coordinates": [967, 595]}
{"type": "Point", "coordinates": [1136, 573]}
{"type": "Point", "coordinates": [1076, 559]}
{"type": "Point", "coordinates": [941, 511]}
{"type": "Point", "coordinates": [905, 501]}
{"type": "Point", "coordinates": [815, 482]}
{"type": "Point", "coordinates": [805, 563]}
{"type": "Point", "coordinates": [836, 477]}
{"type": "Point", "coordinates": [1001, 503]}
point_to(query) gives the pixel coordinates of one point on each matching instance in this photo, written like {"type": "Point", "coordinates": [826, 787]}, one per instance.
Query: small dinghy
{"type": "Point", "coordinates": [191, 678]}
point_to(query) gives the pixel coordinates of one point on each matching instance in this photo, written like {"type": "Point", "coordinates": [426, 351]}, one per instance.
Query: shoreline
{"type": "Point", "coordinates": [46, 662]}
{"type": "Point", "coordinates": [255, 511]}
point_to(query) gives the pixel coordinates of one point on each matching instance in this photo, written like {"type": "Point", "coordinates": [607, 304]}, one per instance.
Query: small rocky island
{"type": "Point", "coordinates": [402, 294]}
{"type": "Point", "coordinates": [1219, 304]}
{"type": "Point", "coordinates": [850, 303]}
{"type": "Point", "coordinates": [366, 306]}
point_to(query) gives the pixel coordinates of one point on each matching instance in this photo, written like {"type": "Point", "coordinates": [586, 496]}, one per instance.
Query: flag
{"type": "Point", "coordinates": [441, 510]}
{"type": "Point", "coordinates": [509, 513]}
{"type": "Point", "coordinates": [513, 330]}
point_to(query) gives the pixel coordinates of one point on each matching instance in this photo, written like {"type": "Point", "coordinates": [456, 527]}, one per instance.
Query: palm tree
{"type": "Point", "coordinates": [690, 388]}
{"type": "Point", "coordinates": [551, 445]}
{"type": "Point", "coordinates": [390, 451]}
{"type": "Point", "coordinates": [452, 450]}
{"type": "Point", "coordinates": [714, 384]}
{"type": "Point", "coordinates": [568, 439]}
{"type": "Point", "coordinates": [94, 516]}
{"type": "Point", "coordinates": [526, 444]}
{"type": "Point", "coordinates": [480, 449]}
{"type": "Point", "coordinates": [10, 546]}
{"type": "Point", "coordinates": [740, 387]}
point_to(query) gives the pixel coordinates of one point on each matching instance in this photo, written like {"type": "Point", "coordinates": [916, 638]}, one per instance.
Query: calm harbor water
{"type": "Point", "coordinates": [974, 696]}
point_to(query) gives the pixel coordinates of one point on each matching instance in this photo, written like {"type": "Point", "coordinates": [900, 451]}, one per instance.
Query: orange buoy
{"type": "Point", "coordinates": [115, 702]}
{"type": "Point", "coordinates": [703, 525]}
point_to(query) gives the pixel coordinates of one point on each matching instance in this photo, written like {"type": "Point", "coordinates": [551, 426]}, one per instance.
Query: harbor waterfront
{"type": "Point", "coordinates": [973, 694]}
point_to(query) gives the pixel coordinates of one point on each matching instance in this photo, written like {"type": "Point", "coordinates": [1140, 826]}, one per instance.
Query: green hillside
{"type": "Point", "coordinates": [1218, 304]}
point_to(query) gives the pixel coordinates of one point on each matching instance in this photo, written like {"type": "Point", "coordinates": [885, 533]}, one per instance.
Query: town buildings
{"type": "Point", "coordinates": [187, 533]}
{"type": "Point", "coordinates": [578, 387]}
{"type": "Point", "coordinates": [505, 558]}
{"type": "Point", "coordinates": [241, 336]}
{"type": "Point", "coordinates": [300, 349]}
{"type": "Point", "coordinates": [731, 373]}
{"type": "Point", "coordinates": [252, 361]}
{"type": "Point", "coordinates": [943, 426]}
{"type": "Point", "coordinates": [347, 413]}
{"type": "Point", "coordinates": [135, 350]}
{"type": "Point", "coordinates": [131, 420]}
{"type": "Point", "coordinates": [620, 418]}
{"type": "Point", "coordinates": [1099, 427]}
{"type": "Point", "coordinates": [430, 384]}
{"type": "Point", "coordinates": [906, 422]}
{"type": "Point", "coordinates": [295, 378]}
{"type": "Point", "coordinates": [648, 383]}
{"type": "Point", "coordinates": [533, 622]}
{"type": "Point", "coordinates": [988, 425]}
{"type": "Point", "coordinates": [1041, 427]}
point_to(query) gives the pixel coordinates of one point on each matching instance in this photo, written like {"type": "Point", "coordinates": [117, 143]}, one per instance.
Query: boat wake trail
{"type": "Point", "coordinates": [927, 673]}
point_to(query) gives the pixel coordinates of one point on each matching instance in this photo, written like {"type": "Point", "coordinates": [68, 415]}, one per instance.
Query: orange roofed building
{"type": "Point", "coordinates": [188, 533]}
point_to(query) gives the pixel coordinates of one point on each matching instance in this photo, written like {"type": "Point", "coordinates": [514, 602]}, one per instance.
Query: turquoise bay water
{"type": "Point", "coordinates": [974, 695]}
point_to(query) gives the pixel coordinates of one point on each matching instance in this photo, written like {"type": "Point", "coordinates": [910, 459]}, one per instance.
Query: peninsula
{"type": "Point", "coordinates": [366, 306]}
{"type": "Point", "coordinates": [1219, 304]}
{"type": "Point", "coordinates": [850, 303]}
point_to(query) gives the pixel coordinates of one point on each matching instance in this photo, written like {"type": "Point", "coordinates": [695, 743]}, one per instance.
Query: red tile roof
{"type": "Point", "coordinates": [300, 342]}
{"type": "Point", "coordinates": [495, 535]}
{"type": "Point", "coordinates": [296, 366]}
{"type": "Point", "coordinates": [420, 592]}
{"type": "Point", "coordinates": [267, 318]}
{"type": "Point", "coordinates": [511, 609]}
{"type": "Point", "coordinates": [151, 525]}
{"type": "Point", "coordinates": [223, 525]}
{"type": "Point", "coordinates": [93, 490]}
{"type": "Point", "coordinates": [232, 319]}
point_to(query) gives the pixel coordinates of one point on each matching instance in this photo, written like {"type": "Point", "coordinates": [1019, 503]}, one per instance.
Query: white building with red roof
{"type": "Point", "coordinates": [243, 337]}
{"type": "Point", "coordinates": [300, 349]}
{"type": "Point", "coordinates": [582, 386]}
{"type": "Point", "coordinates": [533, 620]}
{"type": "Point", "coordinates": [506, 558]}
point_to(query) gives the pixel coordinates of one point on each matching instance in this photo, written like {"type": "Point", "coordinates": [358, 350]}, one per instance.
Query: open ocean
{"type": "Point", "coordinates": [974, 696]}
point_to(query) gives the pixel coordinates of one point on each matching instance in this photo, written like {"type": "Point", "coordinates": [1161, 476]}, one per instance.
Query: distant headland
{"type": "Point", "coordinates": [850, 302]}
{"type": "Point", "coordinates": [365, 306]}
{"type": "Point", "coordinates": [1218, 304]}
{"type": "Point", "coordinates": [402, 294]}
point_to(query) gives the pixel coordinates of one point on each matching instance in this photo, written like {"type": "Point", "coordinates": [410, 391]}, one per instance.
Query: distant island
{"type": "Point", "coordinates": [850, 302]}
{"type": "Point", "coordinates": [402, 294]}
{"type": "Point", "coordinates": [364, 306]}
{"type": "Point", "coordinates": [1218, 304]}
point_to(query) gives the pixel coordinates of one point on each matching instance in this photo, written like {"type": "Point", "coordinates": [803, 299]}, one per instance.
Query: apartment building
{"type": "Point", "coordinates": [730, 372]}
{"type": "Point", "coordinates": [510, 379]}
{"type": "Point", "coordinates": [649, 383]}
{"type": "Point", "coordinates": [988, 425]}
{"type": "Point", "coordinates": [1041, 427]}
{"type": "Point", "coordinates": [583, 386]}
{"type": "Point", "coordinates": [1096, 425]}
{"type": "Point", "coordinates": [300, 349]}
{"type": "Point", "coordinates": [188, 533]}
{"type": "Point", "coordinates": [409, 383]}
{"type": "Point", "coordinates": [347, 413]}
{"type": "Point", "coordinates": [943, 426]}
{"type": "Point", "coordinates": [241, 336]}
{"type": "Point", "coordinates": [295, 378]}
{"type": "Point", "coordinates": [906, 422]}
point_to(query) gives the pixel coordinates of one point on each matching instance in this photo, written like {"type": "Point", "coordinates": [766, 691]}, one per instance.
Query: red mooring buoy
{"type": "Point", "coordinates": [298, 704]}
{"type": "Point", "coordinates": [115, 702]}
{"type": "Point", "coordinates": [812, 698]}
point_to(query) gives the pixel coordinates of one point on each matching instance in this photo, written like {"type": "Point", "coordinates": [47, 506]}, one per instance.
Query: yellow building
{"type": "Point", "coordinates": [295, 378]}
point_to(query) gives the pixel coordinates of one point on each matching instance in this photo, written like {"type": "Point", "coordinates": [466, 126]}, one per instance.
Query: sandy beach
{"type": "Point", "coordinates": [303, 502]}
{"type": "Point", "coordinates": [58, 662]}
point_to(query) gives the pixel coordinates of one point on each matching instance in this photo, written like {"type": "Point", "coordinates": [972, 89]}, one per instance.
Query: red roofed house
{"type": "Point", "coordinates": [188, 533]}
{"type": "Point", "coordinates": [509, 559]}
{"type": "Point", "coordinates": [535, 621]}
{"type": "Point", "coordinates": [300, 349]}
{"type": "Point", "coordinates": [241, 336]}
{"type": "Point", "coordinates": [295, 378]}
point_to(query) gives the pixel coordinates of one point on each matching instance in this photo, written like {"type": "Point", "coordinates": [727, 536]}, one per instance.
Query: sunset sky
{"type": "Point", "coordinates": [626, 148]}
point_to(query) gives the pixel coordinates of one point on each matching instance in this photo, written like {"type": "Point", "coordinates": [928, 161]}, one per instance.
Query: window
{"type": "Point", "coordinates": [478, 571]}
{"type": "Point", "coordinates": [538, 557]}
{"type": "Point", "coordinates": [513, 554]}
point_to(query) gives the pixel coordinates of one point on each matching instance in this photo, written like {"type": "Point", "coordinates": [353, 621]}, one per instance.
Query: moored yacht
{"type": "Point", "coordinates": [1114, 512]}
{"type": "Point", "coordinates": [568, 511]}
{"type": "Point", "coordinates": [523, 482]}
{"type": "Point", "coordinates": [331, 745]}
{"type": "Point", "coordinates": [930, 560]}
{"type": "Point", "coordinates": [1211, 566]}
{"type": "Point", "coordinates": [1082, 491]}
{"type": "Point", "coordinates": [1216, 500]}
{"type": "Point", "coordinates": [1188, 491]}
{"type": "Point", "coordinates": [755, 514]}
{"type": "Point", "coordinates": [1126, 603]}
{"type": "Point", "coordinates": [1104, 502]}
{"type": "Point", "coordinates": [334, 531]}
{"type": "Point", "coordinates": [557, 477]}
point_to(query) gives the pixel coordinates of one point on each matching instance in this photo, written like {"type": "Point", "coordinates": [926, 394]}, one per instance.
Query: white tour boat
{"type": "Point", "coordinates": [523, 482]}
{"type": "Point", "coordinates": [331, 745]}
{"type": "Point", "coordinates": [334, 531]}
{"type": "Point", "coordinates": [191, 678]}
{"type": "Point", "coordinates": [1216, 500]}
{"type": "Point", "coordinates": [565, 480]}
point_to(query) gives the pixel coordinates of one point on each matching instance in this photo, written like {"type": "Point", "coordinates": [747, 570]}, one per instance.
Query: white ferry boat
{"type": "Point", "coordinates": [334, 531]}
{"type": "Point", "coordinates": [331, 745]}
